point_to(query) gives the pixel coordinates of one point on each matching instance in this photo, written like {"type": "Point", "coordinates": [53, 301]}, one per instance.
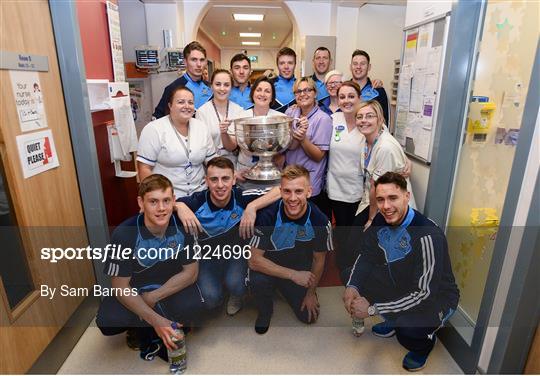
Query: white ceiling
{"type": "Point", "coordinates": [275, 28]}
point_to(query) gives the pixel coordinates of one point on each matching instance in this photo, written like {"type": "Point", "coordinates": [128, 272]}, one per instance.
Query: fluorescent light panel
{"type": "Point", "coordinates": [250, 35]}
{"type": "Point", "coordinates": [248, 17]}
{"type": "Point", "coordinates": [244, 43]}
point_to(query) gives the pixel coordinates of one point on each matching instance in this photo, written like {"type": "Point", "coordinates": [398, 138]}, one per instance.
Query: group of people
{"type": "Point", "coordinates": [343, 164]}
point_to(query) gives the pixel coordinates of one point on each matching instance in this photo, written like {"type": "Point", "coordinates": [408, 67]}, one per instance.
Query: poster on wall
{"type": "Point", "coordinates": [37, 152]}
{"type": "Point", "coordinates": [28, 96]}
{"type": "Point", "coordinates": [115, 38]}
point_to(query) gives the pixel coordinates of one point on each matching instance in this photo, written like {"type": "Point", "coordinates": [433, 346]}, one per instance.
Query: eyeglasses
{"type": "Point", "coordinates": [303, 91]}
{"type": "Point", "coordinates": [334, 84]}
{"type": "Point", "coordinates": [369, 116]}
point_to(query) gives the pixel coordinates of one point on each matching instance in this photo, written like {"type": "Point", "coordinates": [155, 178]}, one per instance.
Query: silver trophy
{"type": "Point", "coordinates": [264, 136]}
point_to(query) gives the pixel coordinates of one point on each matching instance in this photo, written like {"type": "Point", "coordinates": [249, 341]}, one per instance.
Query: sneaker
{"type": "Point", "coordinates": [234, 304]}
{"type": "Point", "coordinates": [357, 327]}
{"type": "Point", "coordinates": [384, 329]}
{"type": "Point", "coordinates": [262, 324]}
{"type": "Point", "coordinates": [414, 362]}
{"type": "Point", "coordinates": [132, 339]}
{"type": "Point", "coordinates": [152, 350]}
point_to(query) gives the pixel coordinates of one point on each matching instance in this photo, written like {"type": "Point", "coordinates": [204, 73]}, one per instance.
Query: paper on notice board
{"type": "Point", "coordinates": [430, 83]}
{"type": "Point", "coordinates": [401, 124]}
{"type": "Point", "coordinates": [410, 46]}
{"type": "Point", "coordinates": [416, 102]}
{"type": "Point", "coordinates": [425, 35]}
{"type": "Point", "coordinates": [421, 142]}
{"type": "Point", "coordinates": [429, 104]}
{"type": "Point", "coordinates": [404, 92]}
{"type": "Point", "coordinates": [434, 60]}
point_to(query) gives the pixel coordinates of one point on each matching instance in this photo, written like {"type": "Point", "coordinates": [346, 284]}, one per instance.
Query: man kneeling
{"type": "Point", "coordinates": [288, 250]}
{"type": "Point", "coordinates": [403, 273]}
{"type": "Point", "coordinates": [157, 267]}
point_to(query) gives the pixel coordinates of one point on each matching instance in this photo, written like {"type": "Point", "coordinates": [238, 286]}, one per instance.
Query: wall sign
{"type": "Point", "coordinates": [22, 61]}
{"type": "Point", "coordinates": [37, 152]}
{"type": "Point", "coordinates": [116, 42]}
{"type": "Point", "coordinates": [28, 95]}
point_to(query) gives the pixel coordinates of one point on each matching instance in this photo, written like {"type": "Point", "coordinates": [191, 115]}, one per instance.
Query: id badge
{"type": "Point", "coordinates": [189, 169]}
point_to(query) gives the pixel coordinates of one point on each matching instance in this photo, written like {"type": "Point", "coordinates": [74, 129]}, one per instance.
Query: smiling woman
{"type": "Point", "coordinates": [218, 112]}
{"type": "Point", "coordinates": [311, 137]}
{"type": "Point", "coordinates": [177, 145]}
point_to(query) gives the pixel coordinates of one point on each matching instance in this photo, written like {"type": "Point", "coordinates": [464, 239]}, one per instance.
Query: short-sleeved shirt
{"type": "Point", "coordinates": [291, 242]}
{"type": "Point", "coordinates": [245, 159]}
{"type": "Point", "coordinates": [240, 97]}
{"type": "Point", "coordinates": [386, 155]}
{"type": "Point", "coordinates": [379, 94]}
{"type": "Point", "coordinates": [284, 93]}
{"type": "Point", "coordinates": [207, 114]}
{"type": "Point", "coordinates": [220, 224]}
{"type": "Point", "coordinates": [344, 178]}
{"type": "Point", "coordinates": [322, 93]}
{"type": "Point", "coordinates": [319, 133]}
{"type": "Point", "coordinates": [201, 92]}
{"type": "Point", "coordinates": [160, 147]}
{"type": "Point", "coordinates": [143, 266]}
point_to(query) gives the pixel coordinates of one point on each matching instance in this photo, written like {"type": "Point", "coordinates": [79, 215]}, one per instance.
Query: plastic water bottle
{"type": "Point", "coordinates": [357, 326]}
{"type": "Point", "coordinates": [177, 358]}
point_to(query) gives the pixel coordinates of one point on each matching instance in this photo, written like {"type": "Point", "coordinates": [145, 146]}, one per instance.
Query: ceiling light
{"type": "Point", "coordinates": [251, 43]}
{"type": "Point", "coordinates": [250, 35]}
{"type": "Point", "coordinates": [248, 17]}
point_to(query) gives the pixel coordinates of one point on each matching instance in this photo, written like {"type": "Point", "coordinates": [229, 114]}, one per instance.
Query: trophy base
{"type": "Point", "coordinates": [264, 170]}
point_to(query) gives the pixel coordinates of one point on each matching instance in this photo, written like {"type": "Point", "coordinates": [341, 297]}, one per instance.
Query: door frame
{"type": "Point", "coordinates": [73, 74]}
{"type": "Point", "coordinates": [510, 346]}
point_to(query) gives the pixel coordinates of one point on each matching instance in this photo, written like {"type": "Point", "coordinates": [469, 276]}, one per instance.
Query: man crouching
{"type": "Point", "coordinates": [158, 267]}
{"type": "Point", "coordinates": [288, 250]}
{"type": "Point", "coordinates": [402, 273]}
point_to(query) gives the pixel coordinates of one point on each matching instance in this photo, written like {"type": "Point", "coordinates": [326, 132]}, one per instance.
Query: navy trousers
{"type": "Point", "coordinates": [416, 327]}
{"type": "Point", "coordinates": [183, 307]}
{"type": "Point", "coordinates": [262, 287]}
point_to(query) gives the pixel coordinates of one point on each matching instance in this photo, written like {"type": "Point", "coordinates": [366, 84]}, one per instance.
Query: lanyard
{"type": "Point", "coordinates": [367, 152]}
{"type": "Point", "coordinates": [180, 139]}
{"type": "Point", "coordinates": [217, 113]}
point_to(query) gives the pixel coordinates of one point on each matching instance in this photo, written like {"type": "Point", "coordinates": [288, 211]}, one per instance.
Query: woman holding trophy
{"type": "Point", "coordinates": [311, 138]}
{"type": "Point", "coordinates": [262, 95]}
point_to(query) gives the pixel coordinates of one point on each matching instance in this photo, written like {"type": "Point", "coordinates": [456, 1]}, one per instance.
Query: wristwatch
{"type": "Point", "coordinates": [372, 310]}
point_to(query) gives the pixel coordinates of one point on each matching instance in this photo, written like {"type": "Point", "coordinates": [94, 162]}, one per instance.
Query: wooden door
{"type": "Point", "coordinates": [47, 206]}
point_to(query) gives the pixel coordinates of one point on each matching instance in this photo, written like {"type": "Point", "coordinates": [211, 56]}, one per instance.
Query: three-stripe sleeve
{"type": "Point", "coordinates": [424, 282]}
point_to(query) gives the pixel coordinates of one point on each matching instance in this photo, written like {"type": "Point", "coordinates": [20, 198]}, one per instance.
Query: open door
{"type": "Point", "coordinates": [42, 210]}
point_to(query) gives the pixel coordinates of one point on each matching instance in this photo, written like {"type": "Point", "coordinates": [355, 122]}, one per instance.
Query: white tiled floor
{"type": "Point", "coordinates": [230, 345]}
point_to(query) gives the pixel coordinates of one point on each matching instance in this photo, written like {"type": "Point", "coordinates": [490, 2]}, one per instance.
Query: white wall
{"type": "Point", "coordinates": [346, 35]}
{"type": "Point", "coordinates": [419, 182]}
{"type": "Point", "coordinates": [133, 27]}
{"type": "Point", "coordinates": [161, 17]}
{"type": "Point", "coordinates": [311, 18]}
{"type": "Point", "coordinates": [267, 57]}
{"type": "Point", "coordinates": [385, 47]}
{"type": "Point", "coordinates": [192, 14]}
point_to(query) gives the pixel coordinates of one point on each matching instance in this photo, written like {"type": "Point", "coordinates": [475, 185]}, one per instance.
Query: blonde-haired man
{"type": "Point", "coordinates": [289, 247]}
